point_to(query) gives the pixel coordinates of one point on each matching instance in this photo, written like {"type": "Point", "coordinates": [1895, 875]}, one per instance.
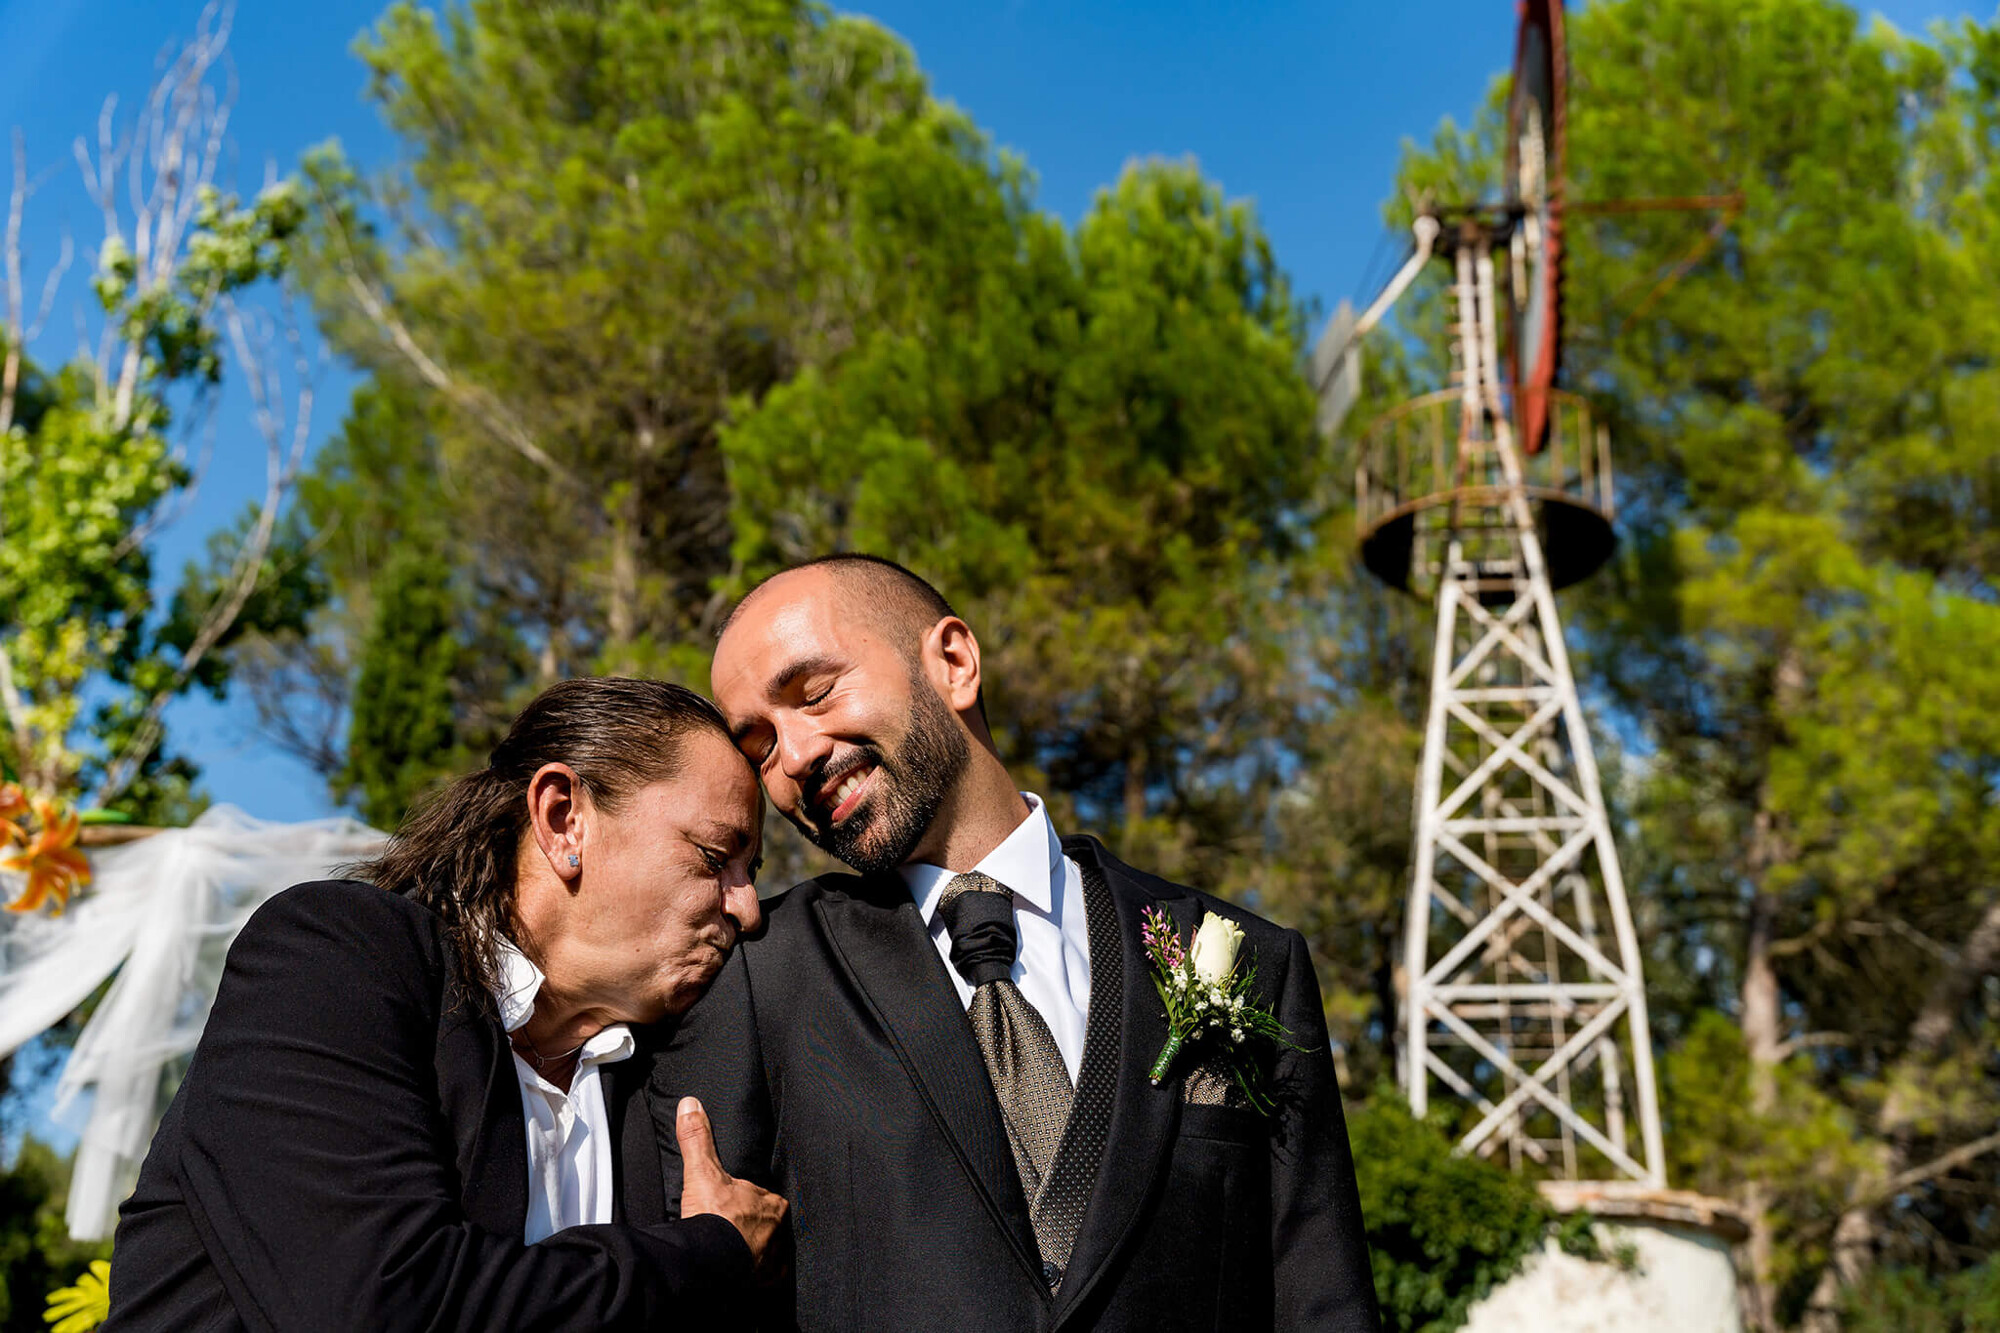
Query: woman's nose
{"type": "Point", "coordinates": [739, 904]}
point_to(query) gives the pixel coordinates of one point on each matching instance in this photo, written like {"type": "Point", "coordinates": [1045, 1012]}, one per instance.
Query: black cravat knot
{"type": "Point", "coordinates": [978, 914]}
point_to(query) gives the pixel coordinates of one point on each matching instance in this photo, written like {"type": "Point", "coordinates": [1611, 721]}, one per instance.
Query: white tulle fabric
{"type": "Point", "coordinates": [160, 913]}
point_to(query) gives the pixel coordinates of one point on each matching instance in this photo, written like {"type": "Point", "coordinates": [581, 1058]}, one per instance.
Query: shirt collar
{"type": "Point", "coordinates": [520, 981]}
{"type": "Point", "coordinates": [1026, 862]}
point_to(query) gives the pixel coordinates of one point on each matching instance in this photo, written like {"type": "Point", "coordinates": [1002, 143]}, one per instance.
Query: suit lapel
{"type": "Point", "coordinates": [638, 1195]}
{"type": "Point", "coordinates": [880, 942]}
{"type": "Point", "coordinates": [1065, 1196]}
{"type": "Point", "coordinates": [1143, 1117]}
{"type": "Point", "coordinates": [479, 1091]}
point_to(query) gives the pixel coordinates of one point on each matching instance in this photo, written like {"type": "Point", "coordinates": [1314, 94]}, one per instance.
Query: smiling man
{"type": "Point", "coordinates": [943, 1060]}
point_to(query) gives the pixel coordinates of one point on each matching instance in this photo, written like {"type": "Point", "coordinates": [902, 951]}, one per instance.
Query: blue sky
{"type": "Point", "coordinates": [1299, 107]}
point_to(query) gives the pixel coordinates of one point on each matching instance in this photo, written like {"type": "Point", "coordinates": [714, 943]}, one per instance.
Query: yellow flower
{"type": "Point", "coordinates": [50, 860]}
{"type": "Point", "coordinates": [84, 1306]}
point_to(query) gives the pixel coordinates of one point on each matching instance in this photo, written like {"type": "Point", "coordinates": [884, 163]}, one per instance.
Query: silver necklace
{"type": "Point", "coordinates": [537, 1059]}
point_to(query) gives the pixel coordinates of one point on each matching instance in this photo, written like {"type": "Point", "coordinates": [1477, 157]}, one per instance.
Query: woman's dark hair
{"type": "Point", "coordinates": [455, 852]}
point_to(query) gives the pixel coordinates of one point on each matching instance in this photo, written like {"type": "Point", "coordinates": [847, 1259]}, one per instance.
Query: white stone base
{"type": "Point", "coordinates": [1684, 1282]}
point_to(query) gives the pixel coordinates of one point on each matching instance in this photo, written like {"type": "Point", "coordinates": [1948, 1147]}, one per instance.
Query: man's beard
{"type": "Point", "coordinates": [912, 788]}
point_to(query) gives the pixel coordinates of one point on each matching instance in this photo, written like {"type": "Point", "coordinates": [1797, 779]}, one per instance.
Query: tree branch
{"type": "Point", "coordinates": [1937, 1166]}
{"type": "Point", "coordinates": [282, 461]}
{"type": "Point", "coordinates": [1807, 1040]}
{"type": "Point", "coordinates": [473, 401]}
{"type": "Point", "coordinates": [467, 398]}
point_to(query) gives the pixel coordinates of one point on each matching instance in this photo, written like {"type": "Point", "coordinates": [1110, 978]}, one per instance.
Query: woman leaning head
{"type": "Point", "coordinates": [356, 1146]}
{"type": "Point", "coordinates": [613, 838]}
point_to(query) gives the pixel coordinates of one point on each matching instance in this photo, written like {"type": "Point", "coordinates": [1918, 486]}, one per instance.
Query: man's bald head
{"type": "Point", "coordinates": [876, 592]}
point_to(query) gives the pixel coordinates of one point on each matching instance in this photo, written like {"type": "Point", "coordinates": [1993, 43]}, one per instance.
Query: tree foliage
{"type": "Point", "coordinates": [94, 457]}
{"type": "Point", "coordinates": [613, 221]}
{"type": "Point", "coordinates": [36, 1253]}
{"type": "Point", "coordinates": [403, 689]}
{"type": "Point", "coordinates": [87, 471]}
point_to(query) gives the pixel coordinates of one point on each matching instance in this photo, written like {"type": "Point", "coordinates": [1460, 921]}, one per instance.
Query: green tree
{"type": "Point", "coordinates": [1101, 444]}
{"type": "Point", "coordinates": [36, 1253]}
{"type": "Point", "coordinates": [90, 466]}
{"type": "Point", "coordinates": [680, 293]}
{"type": "Point", "coordinates": [612, 221]}
{"type": "Point", "coordinates": [402, 710]}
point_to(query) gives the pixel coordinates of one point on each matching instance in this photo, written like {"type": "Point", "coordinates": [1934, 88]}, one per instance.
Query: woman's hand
{"type": "Point", "coordinates": [707, 1188]}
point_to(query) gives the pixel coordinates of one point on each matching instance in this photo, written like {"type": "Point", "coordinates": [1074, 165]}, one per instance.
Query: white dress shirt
{"type": "Point", "coordinates": [569, 1133]}
{"type": "Point", "coordinates": [1052, 955]}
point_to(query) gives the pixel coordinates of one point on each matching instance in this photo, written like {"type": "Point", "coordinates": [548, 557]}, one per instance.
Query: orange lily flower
{"type": "Point", "coordinates": [13, 808]}
{"type": "Point", "coordinates": [50, 860]}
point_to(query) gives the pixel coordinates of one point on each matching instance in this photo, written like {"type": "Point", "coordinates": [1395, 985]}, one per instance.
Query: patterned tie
{"type": "Point", "coordinates": [1023, 1060]}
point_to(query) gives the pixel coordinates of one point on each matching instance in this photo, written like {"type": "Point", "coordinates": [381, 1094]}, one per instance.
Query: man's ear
{"type": "Point", "coordinates": [558, 809]}
{"type": "Point", "coordinates": [952, 655]}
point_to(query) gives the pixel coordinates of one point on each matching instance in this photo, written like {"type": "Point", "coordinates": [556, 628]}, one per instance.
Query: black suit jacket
{"type": "Point", "coordinates": [839, 1068]}
{"type": "Point", "coordinates": [348, 1152]}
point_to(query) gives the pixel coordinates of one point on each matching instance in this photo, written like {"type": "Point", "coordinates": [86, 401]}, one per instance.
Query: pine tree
{"type": "Point", "coordinates": [402, 735]}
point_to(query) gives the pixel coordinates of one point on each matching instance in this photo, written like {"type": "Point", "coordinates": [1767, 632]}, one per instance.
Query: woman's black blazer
{"type": "Point", "coordinates": [348, 1152]}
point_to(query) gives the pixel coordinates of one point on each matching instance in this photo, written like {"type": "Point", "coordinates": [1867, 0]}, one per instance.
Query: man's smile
{"type": "Point", "coordinates": [847, 790]}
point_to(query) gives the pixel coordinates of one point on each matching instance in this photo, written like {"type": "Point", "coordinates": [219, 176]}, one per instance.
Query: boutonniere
{"type": "Point", "coordinates": [1208, 1002]}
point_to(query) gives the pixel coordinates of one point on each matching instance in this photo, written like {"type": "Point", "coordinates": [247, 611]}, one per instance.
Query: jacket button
{"type": "Point", "coordinates": [1050, 1273]}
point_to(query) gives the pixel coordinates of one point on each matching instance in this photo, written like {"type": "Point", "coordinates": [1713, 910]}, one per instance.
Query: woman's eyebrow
{"type": "Point", "coordinates": [732, 836]}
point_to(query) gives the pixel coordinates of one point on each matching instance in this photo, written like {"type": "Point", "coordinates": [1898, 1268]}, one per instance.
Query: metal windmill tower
{"type": "Point", "coordinates": [1523, 991]}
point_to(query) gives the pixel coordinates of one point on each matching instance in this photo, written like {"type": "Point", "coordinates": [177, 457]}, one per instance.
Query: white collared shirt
{"type": "Point", "coordinates": [569, 1133]}
{"type": "Point", "coordinates": [1052, 954]}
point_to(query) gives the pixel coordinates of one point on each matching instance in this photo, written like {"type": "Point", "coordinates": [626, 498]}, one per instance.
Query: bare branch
{"type": "Point", "coordinates": [1854, 1230]}
{"type": "Point", "coordinates": [284, 455]}
{"type": "Point", "coordinates": [1938, 1166]}
{"type": "Point", "coordinates": [168, 159]}
{"type": "Point", "coordinates": [64, 258]}
{"type": "Point", "coordinates": [1922, 941]}
{"type": "Point", "coordinates": [17, 713]}
{"type": "Point", "coordinates": [18, 331]}
{"type": "Point", "coordinates": [466, 397]}
{"type": "Point", "coordinates": [1808, 1040]}
{"type": "Point", "coordinates": [472, 400]}
{"type": "Point", "coordinates": [174, 509]}
{"type": "Point", "coordinates": [1801, 943]}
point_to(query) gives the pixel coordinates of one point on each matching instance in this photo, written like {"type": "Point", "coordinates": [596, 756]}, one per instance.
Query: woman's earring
{"type": "Point", "coordinates": [573, 860]}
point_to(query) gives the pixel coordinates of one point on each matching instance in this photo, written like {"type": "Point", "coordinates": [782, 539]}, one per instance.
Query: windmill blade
{"type": "Point", "coordinates": [1536, 131]}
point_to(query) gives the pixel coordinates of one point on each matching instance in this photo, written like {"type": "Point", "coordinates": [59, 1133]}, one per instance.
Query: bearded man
{"type": "Point", "coordinates": [946, 1061]}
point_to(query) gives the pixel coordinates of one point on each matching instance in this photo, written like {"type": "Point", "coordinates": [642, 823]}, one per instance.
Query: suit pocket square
{"type": "Point", "coordinates": [1210, 1083]}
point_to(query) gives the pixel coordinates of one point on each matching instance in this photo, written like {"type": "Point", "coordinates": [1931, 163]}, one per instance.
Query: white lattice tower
{"type": "Point", "coordinates": [1524, 996]}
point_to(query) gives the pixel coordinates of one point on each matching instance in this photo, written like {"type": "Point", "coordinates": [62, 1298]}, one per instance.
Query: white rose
{"type": "Point", "coordinates": [1215, 946]}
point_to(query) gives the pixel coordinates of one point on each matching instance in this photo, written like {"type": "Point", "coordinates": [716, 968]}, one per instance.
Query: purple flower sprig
{"type": "Point", "coordinates": [1162, 940]}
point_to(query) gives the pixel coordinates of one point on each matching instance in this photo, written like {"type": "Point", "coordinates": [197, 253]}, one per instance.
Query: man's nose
{"type": "Point", "coordinates": [739, 904]}
{"type": "Point", "coordinates": [801, 749]}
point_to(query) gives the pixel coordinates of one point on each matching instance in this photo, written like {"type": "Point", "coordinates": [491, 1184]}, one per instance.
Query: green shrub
{"type": "Point", "coordinates": [1443, 1230]}
{"type": "Point", "coordinates": [36, 1253]}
